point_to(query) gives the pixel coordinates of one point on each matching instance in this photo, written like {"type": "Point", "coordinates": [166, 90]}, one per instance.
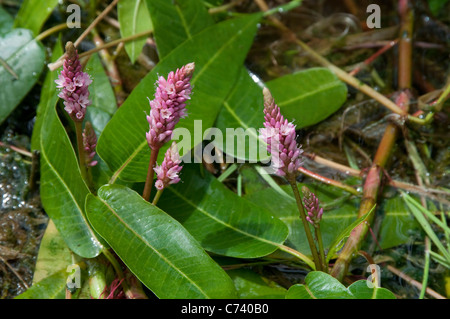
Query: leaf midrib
{"type": "Point", "coordinates": [194, 78]}
{"type": "Point", "coordinates": [98, 244]}
{"type": "Point", "coordinates": [309, 93]}
{"type": "Point", "coordinates": [221, 221]}
{"type": "Point", "coordinates": [139, 237]}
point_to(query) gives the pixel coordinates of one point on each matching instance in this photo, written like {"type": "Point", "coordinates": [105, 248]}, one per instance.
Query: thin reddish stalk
{"type": "Point", "coordinates": [150, 175]}
{"type": "Point", "coordinates": [373, 179]}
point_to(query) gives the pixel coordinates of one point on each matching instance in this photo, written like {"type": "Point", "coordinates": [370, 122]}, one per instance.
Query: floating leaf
{"type": "Point", "coordinates": [177, 21]}
{"type": "Point", "coordinates": [243, 109]}
{"type": "Point", "coordinates": [319, 285]}
{"type": "Point", "coordinates": [156, 248]}
{"type": "Point", "coordinates": [335, 218]}
{"type": "Point", "coordinates": [48, 99]}
{"type": "Point", "coordinates": [133, 18]}
{"type": "Point", "coordinates": [309, 96]}
{"type": "Point", "coordinates": [361, 290]}
{"type": "Point", "coordinates": [63, 190]}
{"type": "Point", "coordinates": [250, 285]}
{"type": "Point", "coordinates": [221, 221]}
{"type": "Point", "coordinates": [53, 256]}
{"type": "Point", "coordinates": [33, 14]}
{"type": "Point", "coordinates": [24, 58]}
{"type": "Point", "coordinates": [122, 144]}
{"type": "Point", "coordinates": [52, 287]}
{"type": "Point", "coordinates": [6, 21]}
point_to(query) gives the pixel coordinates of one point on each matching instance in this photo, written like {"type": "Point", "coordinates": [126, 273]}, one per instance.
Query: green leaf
{"type": "Point", "coordinates": [63, 190]}
{"type": "Point", "coordinates": [133, 18]}
{"type": "Point", "coordinates": [243, 108]}
{"type": "Point", "coordinates": [397, 225]}
{"type": "Point", "coordinates": [250, 285]}
{"type": "Point", "coordinates": [101, 92]}
{"type": "Point", "coordinates": [25, 58]}
{"type": "Point", "coordinates": [221, 221]}
{"type": "Point", "coordinates": [122, 144]}
{"type": "Point", "coordinates": [49, 97]}
{"type": "Point", "coordinates": [33, 14]}
{"type": "Point", "coordinates": [52, 287]}
{"type": "Point", "coordinates": [361, 290]}
{"type": "Point", "coordinates": [155, 247]}
{"type": "Point", "coordinates": [309, 96]}
{"type": "Point", "coordinates": [336, 217]}
{"type": "Point", "coordinates": [53, 256]}
{"type": "Point", "coordinates": [319, 285]}
{"type": "Point", "coordinates": [177, 21]}
{"type": "Point", "coordinates": [6, 21]}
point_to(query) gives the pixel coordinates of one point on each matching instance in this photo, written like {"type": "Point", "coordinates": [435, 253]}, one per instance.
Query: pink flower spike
{"type": "Point", "coordinates": [89, 144]}
{"type": "Point", "coordinates": [280, 136]}
{"type": "Point", "coordinates": [168, 172]}
{"type": "Point", "coordinates": [74, 85]}
{"type": "Point", "coordinates": [312, 206]}
{"type": "Point", "coordinates": [168, 106]}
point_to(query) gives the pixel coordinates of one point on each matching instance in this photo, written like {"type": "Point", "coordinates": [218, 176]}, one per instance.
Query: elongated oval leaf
{"type": "Point", "coordinates": [156, 248]}
{"type": "Point", "coordinates": [122, 144]}
{"type": "Point", "coordinates": [133, 18]}
{"type": "Point", "coordinates": [53, 256]}
{"type": "Point", "coordinates": [309, 96]}
{"type": "Point", "coordinates": [49, 96]}
{"type": "Point", "coordinates": [51, 287]}
{"type": "Point", "coordinates": [361, 290]}
{"type": "Point", "coordinates": [335, 218]}
{"type": "Point", "coordinates": [23, 57]}
{"type": "Point", "coordinates": [319, 285]}
{"type": "Point", "coordinates": [6, 21]}
{"type": "Point", "coordinates": [63, 191]}
{"type": "Point", "coordinates": [220, 220]}
{"type": "Point", "coordinates": [243, 108]}
{"type": "Point", "coordinates": [33, 14]}
{"type": "Point", "coordinates": [177, 21]}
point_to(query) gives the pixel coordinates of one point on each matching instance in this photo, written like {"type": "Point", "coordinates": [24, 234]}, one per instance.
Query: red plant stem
{"type": "Point", "coordinates": [328, 181]}
{"type": "Point", "coordinates": [150, 175]}
{"type": "Point", "coordinates": [373, 179]}
{"type": "Point", "coordinates": [374, 56]}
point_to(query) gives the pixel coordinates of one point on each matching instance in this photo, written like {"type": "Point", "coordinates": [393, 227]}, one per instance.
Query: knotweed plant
{"type": "Point", "coordinates": [280, 137]}
{"type": "Point", "coordinates": [74, 90]}
{"type": "Point", "coordinates": [166, 110]}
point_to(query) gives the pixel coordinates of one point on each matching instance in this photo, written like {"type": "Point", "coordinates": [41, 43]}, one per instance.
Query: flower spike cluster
{"type": "Point", "coordinates": [312, 206]}
{"type": "Point", "coordinates": [89, 144]}
{"type": "Point", "coordinates": [169, 105]}
{"type": "Point", "coordinates": [167, 173]}
{"type": "Point", "coordinates": [74, 85]}
{"type": "Point", "coordinates": [280, 136]}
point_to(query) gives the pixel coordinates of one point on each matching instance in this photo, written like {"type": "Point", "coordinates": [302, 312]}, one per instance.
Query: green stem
{"type": "Point", "coordinates": [157, 196]}
{"type": "Point", "coordinates": [150, 174]}
{"type": "Point", "coordinates": [308, 233]}
{"type": "Point", "coordinates": [299, 255]}
{"type": "Point", "coordinates": [426, 268]}
{"type": "Point", "coordinates": [79, 133]}
{"type": "Point", "coordinates": [50, 31]}
{"type": "Point", "coordinates": [321, 250]}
